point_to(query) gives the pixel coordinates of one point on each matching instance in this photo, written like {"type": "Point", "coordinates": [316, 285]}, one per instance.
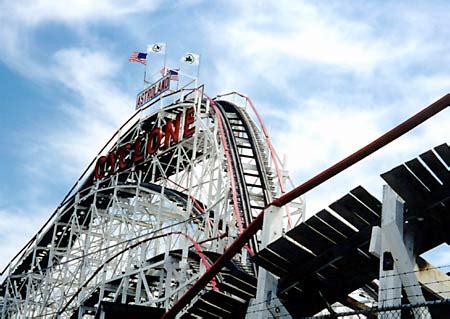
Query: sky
{"type": "Point", "coordinates": [327, 77]}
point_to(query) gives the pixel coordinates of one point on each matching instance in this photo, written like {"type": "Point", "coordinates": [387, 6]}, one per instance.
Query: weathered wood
{"type": "Point", "coordinates": [346, 211]}
{"type": "Point", "coordinates": [423, 174]}
{"type": "Point", "coordinates": [290, 251]}
{"type": "Point", "coordinates": [436, 166]}
{"type": "Point", "coordinates": [325, 229]}
{"type": "Point", "coordinates": [444, 152]}
{"type": "Point", "coordinates": [335, 222]}
{"type": "Point", "coordinates": [407, 186]}
{"type": "Point", "coordinates": [367, 199]}
{"type": "Point", "coordinates": [310, 238]}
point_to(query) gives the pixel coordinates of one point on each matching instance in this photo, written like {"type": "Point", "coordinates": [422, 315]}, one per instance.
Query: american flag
{"type": "Point", "coordinates": [138, 57]}
{"type": "Point", "coordinates": [172, 72]}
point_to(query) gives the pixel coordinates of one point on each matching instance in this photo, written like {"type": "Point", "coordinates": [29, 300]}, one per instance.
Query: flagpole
{"type": "Point", "coordinates": [165, 54]}
{"type": "Point", "coordinates": [145, 74]}
{"type": "Point", "coordinates": [198, 70]}
{"type": "Point", "coordinates": [145, 69]}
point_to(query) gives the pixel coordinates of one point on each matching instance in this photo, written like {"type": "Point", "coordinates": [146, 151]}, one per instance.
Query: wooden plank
{"type": "Point", "coordinates": [407, 186]}
{"type": "Point", "coordinates": [446, 207]}
{"type": "Point", "coordinates": [274, 260]}
{"type": "Point", "coordinates": [302, 304]}
{"type": "Point", "coordinates": [444, 152]}
{"type": "Point", "coordinates": [440, 221]}
{"type": "Point", "coordinates": [362, 210]}
{"type": "Point", "coordinates": [351, 261]}
{"type": "Point", "coordinates": [370, 201]}
{"type": "Point", "coordinates": [436, 166]}
{"type": "Point", "coordinates": [365, 247]}
{"type": "Point", "coordinates": [269, 266]}
{"type": "Point", "coordinates": [290, 251]}
{"type": "Point", "coordinates": [225, 301]}
{"type": "Point", "coordinates": [201, 313]}
{"type": "Point", "coordinates": [237, 287]}
{"type": "Point", "coordinates": [338, 287]}
{"type": "Point", "coordinates": [330, 271]}
{"type": "Point", "coordinates": [423, 174]}
{"type": "Point", "coordinates": [440, 212]}
{"type": "Point", "coordinates": [234, 290]}
{"type": "Point", "coordinates": [446, 203]}
{"type": "Point", "coordinates": [309, 238]}
{"type": "Point", "coordinates": [215, 310]}
{"type": "Point", "coordinates": [347, 212]}
{"type": "Point", "coordinates": [335, 222]}
{"type": "Point", "coordinates": [328, 257]}
{"type": "Point", "coordinates": [240, 283]}
{"type": "Point", "coordinates": [323, 228]}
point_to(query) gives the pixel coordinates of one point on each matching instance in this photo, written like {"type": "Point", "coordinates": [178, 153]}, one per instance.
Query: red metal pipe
{"type": "Point", "coordinates": [256, 224]}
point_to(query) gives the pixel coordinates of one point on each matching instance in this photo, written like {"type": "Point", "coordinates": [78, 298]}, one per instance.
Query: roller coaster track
{"type": "Point", "coordinates": [250, 163]}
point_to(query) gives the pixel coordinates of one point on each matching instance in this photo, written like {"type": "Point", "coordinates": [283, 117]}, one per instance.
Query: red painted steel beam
{"type": "Point", "coordinates": [256, 224]}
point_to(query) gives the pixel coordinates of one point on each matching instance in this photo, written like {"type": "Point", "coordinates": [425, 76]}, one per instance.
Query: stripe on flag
{"type": "Point", "coordinates": [138, 57]}
{"type": "Point", "coordinates": [172, 72]}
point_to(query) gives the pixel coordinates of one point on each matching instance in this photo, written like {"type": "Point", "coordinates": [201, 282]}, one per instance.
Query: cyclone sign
{"type": "Point", "coordinates": [159, 138]}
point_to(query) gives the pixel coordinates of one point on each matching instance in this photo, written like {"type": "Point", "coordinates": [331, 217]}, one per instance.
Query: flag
{"type": "Point", "coordinates": [173, 73]}
{"type": "Point", "coordinates": [158, 48]}
{"type": "Point", "coordinates": [138, 57]}
{"type": "Point", "coordinates": [191, 58]}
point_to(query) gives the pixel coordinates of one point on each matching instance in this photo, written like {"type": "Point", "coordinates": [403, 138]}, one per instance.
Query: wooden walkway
{"type": "Point", "coordinates": [324, 259]}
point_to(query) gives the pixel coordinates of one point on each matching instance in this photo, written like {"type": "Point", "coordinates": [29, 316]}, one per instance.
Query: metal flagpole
{"type": "Point", "coordinates": [145, 74]}
{"type": "Point", "coordinates": [145, 70]}
{"type": "Point", "coordinates": [165, 71]}
{"type": "Point", "coordinates": [165, 55]}
{"type": "Point", "coordinates": [198, 69]}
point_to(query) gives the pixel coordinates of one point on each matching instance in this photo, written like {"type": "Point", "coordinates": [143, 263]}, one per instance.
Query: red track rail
{"type": "Point", "coordinates": [276, 161]}
{"type": "Point", "coordinates": [256, 224]}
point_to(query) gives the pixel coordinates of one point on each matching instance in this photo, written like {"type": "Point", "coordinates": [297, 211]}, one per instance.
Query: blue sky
{"type": "Point", "coordinates": [327, 78]}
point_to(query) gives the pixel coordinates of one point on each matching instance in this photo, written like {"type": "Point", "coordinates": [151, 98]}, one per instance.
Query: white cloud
{"type": "Point", "coordinates": [283, 39]}
{"type": "Point", "coordinates": [435, 83]}
{"type": "Point", "coordinates": [23, 19]}
{"type": "Point", "coordinates": [289, 46]}
{"type": "Point", "coordinates": [35, 12]}
{"type": "Point", "coordinates": [99, 108]}
{"type": "Point", "coordinates": [320, 133]}
{"type": "Point", "coordinates": [90, 75]}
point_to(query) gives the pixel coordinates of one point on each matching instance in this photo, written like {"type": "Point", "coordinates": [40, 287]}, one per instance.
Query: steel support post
{"type": "Point", "coordinates": [390, 290]}
{"type": "Point", "coordinates": [397, 259]}
{"type": "Point", "coordinates": [266, 303]}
